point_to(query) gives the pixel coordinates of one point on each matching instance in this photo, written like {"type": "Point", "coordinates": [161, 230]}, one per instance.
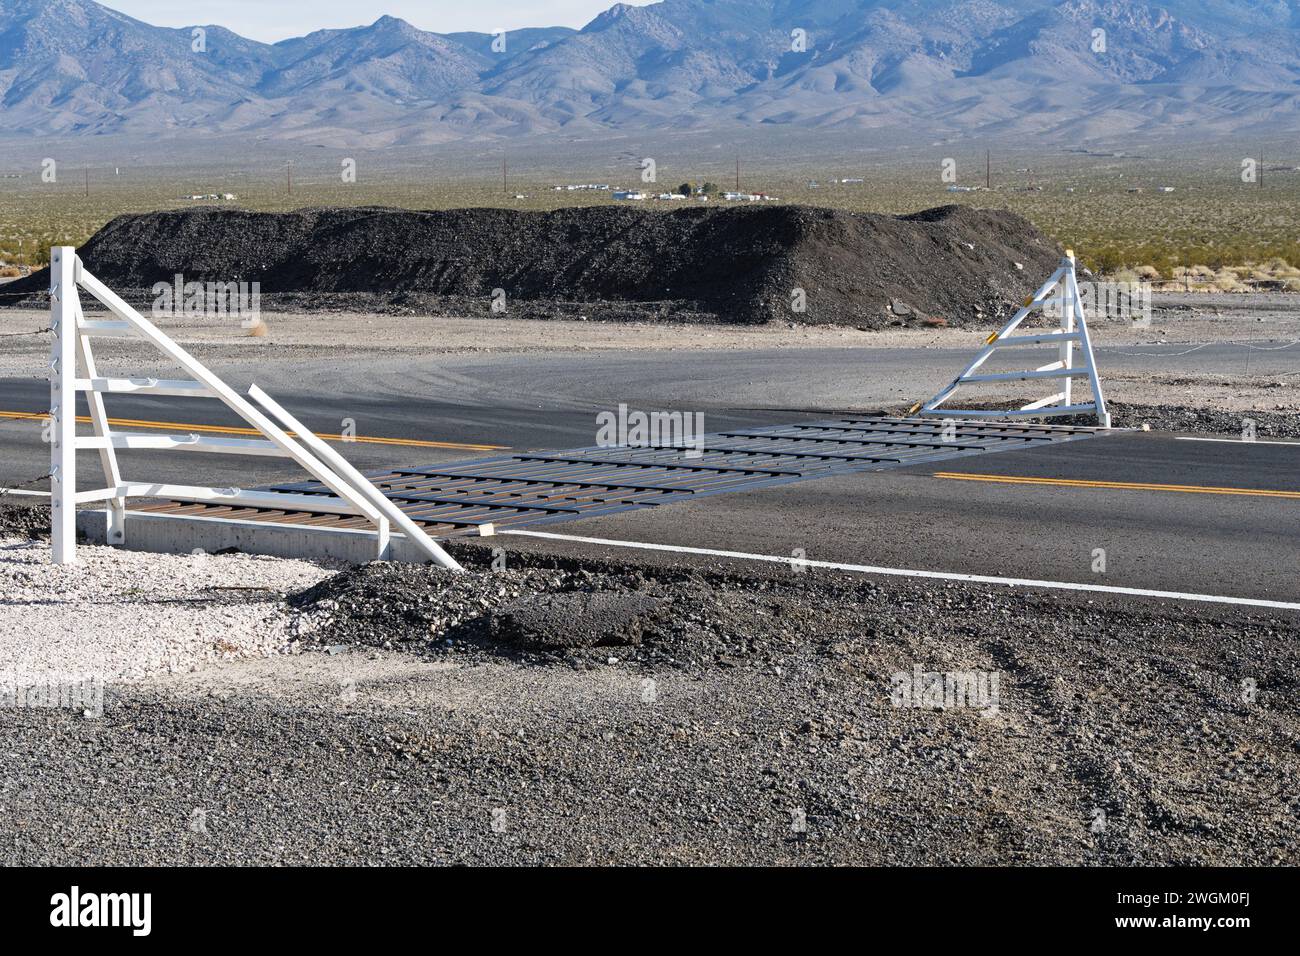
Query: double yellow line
{"type": "Point", "coordinates": [1117, 485]}
{"type": "Point", "coordinates": [253, 432]}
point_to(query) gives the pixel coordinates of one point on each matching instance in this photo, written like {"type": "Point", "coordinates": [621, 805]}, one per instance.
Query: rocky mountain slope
{"type": "Point", "coordinates": [1068, 70]}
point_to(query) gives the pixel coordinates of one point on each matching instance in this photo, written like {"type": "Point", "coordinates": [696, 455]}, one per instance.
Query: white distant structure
{"type": "Point", "coordinates": [572, 187]}
{"type": "Point", "coordinates": [1164, 189]}
{"type": "Point", "coordinates": [629, 195]}
{"type": "Point", "coordinates": [671, 197]}
{"type": "Point", "coordinates": [749, 197]}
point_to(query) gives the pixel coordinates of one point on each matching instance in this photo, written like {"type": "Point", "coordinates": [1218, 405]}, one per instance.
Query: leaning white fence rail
{"type": "Point", "coordinates": [73, 370]}
{"type": "Point", "coordinates": [1073, 331]}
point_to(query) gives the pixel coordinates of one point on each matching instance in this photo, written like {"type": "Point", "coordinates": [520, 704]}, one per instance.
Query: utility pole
{"type": "Point", "coordinates": [988, 169]}
{"type": "Point", "coordinates": [504, 187]}
{"type": "Point", "coordinates": [737, 172]}
{"type": "Point", "coordinates": [1261, 168]}
{"type": "Point", "coordinates": [288, 175]}
{"type": "Point", "coordinates": [87, 182]}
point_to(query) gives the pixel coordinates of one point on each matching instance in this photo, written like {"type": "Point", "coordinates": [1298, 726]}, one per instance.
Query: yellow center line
{"type": "Point", "coordinates": [223, 430]}
{"type": "Point", "coordinates": [1117, 485]}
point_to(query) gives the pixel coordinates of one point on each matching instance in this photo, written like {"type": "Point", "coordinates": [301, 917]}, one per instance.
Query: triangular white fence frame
{"type": "Point", "coordinates": [72, 370]}
{"type": "Point", "coordinates": [1073, 331]}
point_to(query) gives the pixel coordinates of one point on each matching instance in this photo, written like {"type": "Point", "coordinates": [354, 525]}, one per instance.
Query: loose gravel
{"type": "Point", "coordinates": [1179, 418]}
{"type": "Point", "coordinates": [124, 616]}
{"type": "Point", "coordinates": [1115, 732]}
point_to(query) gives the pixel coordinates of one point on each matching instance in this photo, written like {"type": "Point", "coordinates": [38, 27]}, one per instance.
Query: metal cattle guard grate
{"type": "Point", "coordinates": [340, 489]}
{"type": "Point", "coordinates": [542, 487]}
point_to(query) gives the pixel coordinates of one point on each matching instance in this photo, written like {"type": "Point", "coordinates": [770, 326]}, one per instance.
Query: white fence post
{"type": "Point", "coordinates": [72, 369]}
{"type": "Point", "coordinates": [63, 405]}
{"type": "Point", "coordinates": [1072, 331]}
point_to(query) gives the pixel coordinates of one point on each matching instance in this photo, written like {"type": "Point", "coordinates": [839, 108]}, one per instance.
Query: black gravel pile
{"type": "Point", "coordinates": [1211, 421]}
{"type": "Point", "coordinates": [739, 264]}
{"type": "Point", "coordinates": [19, 520]}
{"type": "Point", "coordinates": [551, 608]}
{"type": "Point", "coordinates": [1180, 418]}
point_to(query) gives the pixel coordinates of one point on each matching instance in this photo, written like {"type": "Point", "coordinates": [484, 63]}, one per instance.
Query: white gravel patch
{"type": "Point", "coordinates": [127, 616]}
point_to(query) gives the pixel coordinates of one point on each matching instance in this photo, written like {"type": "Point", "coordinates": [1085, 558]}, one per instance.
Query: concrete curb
{"type": "Point", "coordinates": [171, 534]}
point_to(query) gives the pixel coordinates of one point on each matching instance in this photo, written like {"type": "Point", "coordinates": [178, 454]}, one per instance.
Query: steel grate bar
{"type": "Point", "coordinates": [537, 488]}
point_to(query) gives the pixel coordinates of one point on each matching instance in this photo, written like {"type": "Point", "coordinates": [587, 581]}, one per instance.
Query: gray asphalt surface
{"type": "Point", "coordinates": [1220, 543]}
{"type": "Point", "coordinates": [550, 400]}
{"type": "Point", "coordinates": [1228, 544]}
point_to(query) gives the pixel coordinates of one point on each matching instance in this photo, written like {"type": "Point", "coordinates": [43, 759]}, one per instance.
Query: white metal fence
{"type": "Point", "coordinates": [1073, 331]}
{"type": "Point", "coordinates": [73, 370]}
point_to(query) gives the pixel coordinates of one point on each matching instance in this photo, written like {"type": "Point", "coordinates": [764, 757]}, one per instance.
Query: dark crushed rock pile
{"type": "Point", "coordinates": [579, 619]}
{"type": "Point", "coordinates": [1212, 421]}
{"type": "Point", "coordinates": [1165, 720]}
{"type": "Point", "coordinates": [578, 609]}
{"type": "Point", "coordinates": [556, 607]}
{"type": "Point", "coordinates": [1181, 418]}
{"type": "Point", "coordinates": [18, 520]}
{"type": "Point", "coordinates": [737, 264]}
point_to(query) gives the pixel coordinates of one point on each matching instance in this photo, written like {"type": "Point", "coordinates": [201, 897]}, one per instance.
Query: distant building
{"type": "Point", "coordinates": [629, 195]}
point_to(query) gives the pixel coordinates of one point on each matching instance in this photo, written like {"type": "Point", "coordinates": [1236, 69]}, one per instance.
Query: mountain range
{"type": "Point", "coordinates": [1075, 71]}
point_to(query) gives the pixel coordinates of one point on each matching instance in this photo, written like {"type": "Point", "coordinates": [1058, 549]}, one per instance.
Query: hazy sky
{"type": "Point", "coordinates": [272, 20]}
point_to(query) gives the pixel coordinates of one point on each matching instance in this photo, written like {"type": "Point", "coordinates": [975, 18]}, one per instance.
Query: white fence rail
{"type": "Point", "coordinates": [72, 370]}
{"type": "Point", "coordinates": [1073, 331]}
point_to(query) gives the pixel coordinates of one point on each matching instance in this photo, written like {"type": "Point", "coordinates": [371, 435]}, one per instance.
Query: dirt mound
{"type": "Point", "coordinates": [743, 264]}
{"type": "Point", "coordinates": [545, 607]}
{"type": "Point", "coordinates": [577, 619]}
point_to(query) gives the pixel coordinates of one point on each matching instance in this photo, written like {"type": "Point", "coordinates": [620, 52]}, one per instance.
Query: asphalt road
{"type": "Point", "coordinates": [410, 430]}
{"type": "Point", "coordinates": [549, 400]}
{"type": "Point", "coordinates": [1205, 538]}
{"type": "Point", "coordinates": [1199, 538]}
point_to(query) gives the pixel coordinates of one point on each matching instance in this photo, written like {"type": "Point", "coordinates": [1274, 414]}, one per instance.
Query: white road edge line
{"type": "Point", "coordinates": [901, 572]}
{"type": "Point", "coordinates": [1238, 441]}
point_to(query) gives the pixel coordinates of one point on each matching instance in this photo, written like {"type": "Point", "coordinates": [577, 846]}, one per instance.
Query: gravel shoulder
{"type": "Point", "coordinates": [125, 616]}
{"type": "Point", "coordinates": [756, 722]}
